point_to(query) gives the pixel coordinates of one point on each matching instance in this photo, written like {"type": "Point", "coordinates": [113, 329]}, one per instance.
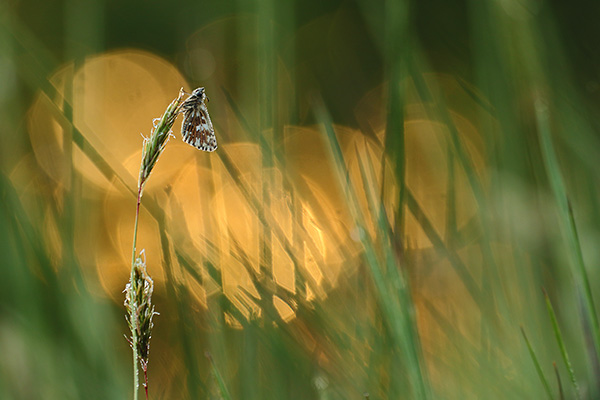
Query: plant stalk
{"type": "Point", "coordinates": [140, 287]}
{"type": "Point", "coordinates": [136, 381]}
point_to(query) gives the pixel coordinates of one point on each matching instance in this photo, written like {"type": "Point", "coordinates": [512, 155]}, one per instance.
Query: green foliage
{"type": "Point", "coordinates": [423, 309]}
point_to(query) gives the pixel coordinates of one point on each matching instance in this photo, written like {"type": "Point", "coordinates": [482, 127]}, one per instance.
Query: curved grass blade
{"type": "Point", "coordinates": [561, 345]}
{"type": "Point", "coordinates": [538, 368]}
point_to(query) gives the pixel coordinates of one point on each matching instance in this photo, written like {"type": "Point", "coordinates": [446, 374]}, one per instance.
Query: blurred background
{"type": "Point", "coordinates": [395, 183]}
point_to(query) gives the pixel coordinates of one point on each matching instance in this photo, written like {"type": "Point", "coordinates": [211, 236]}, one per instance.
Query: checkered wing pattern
{"type": "Point", "coordinates": [197, 129]}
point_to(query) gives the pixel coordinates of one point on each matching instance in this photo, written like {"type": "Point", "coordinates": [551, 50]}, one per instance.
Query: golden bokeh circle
{"type": "Point", "coordinates": [434, 173]}
{"type": "Point", "coordinates": [114, 98]}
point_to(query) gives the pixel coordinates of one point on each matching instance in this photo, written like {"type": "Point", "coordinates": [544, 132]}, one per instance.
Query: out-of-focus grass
{"type": "Point", "coordinates": [440, 320]}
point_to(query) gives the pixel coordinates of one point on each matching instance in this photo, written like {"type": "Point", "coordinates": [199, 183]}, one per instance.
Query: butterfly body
{"type": "Point", "coordinates": [197, 129]}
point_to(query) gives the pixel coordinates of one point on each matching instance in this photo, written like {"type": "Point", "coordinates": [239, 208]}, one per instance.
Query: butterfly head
{"type": "Point", "coordinates": [199, 93]}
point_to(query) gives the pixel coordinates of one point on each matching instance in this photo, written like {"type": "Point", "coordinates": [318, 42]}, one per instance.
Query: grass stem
{"type": "Point", "coordinates": [561, 345]}
{"type": "Point", "coordinates": [138, 298]}
{"type": "Point", "coordinates": [134, 338]}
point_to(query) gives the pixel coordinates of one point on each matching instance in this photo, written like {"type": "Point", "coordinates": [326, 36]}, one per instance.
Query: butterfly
{"type": "Point", "coordinates": [197, 128]}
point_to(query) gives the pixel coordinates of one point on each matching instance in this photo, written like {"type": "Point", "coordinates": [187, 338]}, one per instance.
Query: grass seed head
{"type": "Point", "coordinates": [140, 310]}
{"type": "Point", "coordinates": [155, 144]}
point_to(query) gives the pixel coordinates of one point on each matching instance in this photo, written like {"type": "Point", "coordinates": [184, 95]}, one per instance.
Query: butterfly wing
{"type": "Point", "coordinates": [197, 129]}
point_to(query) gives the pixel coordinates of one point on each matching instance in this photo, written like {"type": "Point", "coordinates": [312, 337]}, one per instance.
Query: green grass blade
{"type": "Point", "coordinates": [438, 243]}
{"type": "Point", "coordinates": [561, 393]}
{"type": "Point", "coordinates": [566, 218]}
{"type": "Point", "coordinates": [395, 276]}
{"type": "Point", "coordinates": [561, 345]}
{"type": "Point", "coordinates": [218, 378]}
{"type": "Point", "coordinates": [536, 363]}
{"type": "Point", "coordinates": [392, 292]}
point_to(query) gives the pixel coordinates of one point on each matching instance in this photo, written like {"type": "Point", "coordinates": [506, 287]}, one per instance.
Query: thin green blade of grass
{"type": "Point", "coordinates": [279, 161]}
{"type": "Point", "coordinates": [267, 81]}
{"type": "Point", "coordinates": [178, 294]}
{"type": "Point", "coordinates": [476, 96]}
{"type": "Point", "coordinates": [395, 312]}
{"type": "Point", "coordinates": [462, 344]}
{"type": "Point", "coordinates": [396, 51]}
{"type": "Point", "coordinates": [536, 363]}
{"type": "Point", "coordinates": [218, 378]}
{"type": "Point", "coordinates": [459, 267]}
{"type": "Point", "coordinates": [561, 393]}
{"type": "Point", "coordinates": [567, 220]}
{"type": "Point", "coordinates": [441, 111]}
{"type": "Point", "coordinates": [496, 305]}
{"type": "Point", "coordinates": [382, 291]}
{"type": "Point", "coordinates": [267, 289]}
{"type": "Point", "coordinates": [561, 345]}
{"type": "Point", "coordinates": [266, 218]}
{"type": "Point", "coordinates": [299, 185]}
{"type": "Point", "coordinates": [451, 225]}
{"type": "Point", "coordinates": [397, 280]}
{"type": "Point", "coordinates": [249, 373]}
{"type": "Point", "coordinates": [468, 166]}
